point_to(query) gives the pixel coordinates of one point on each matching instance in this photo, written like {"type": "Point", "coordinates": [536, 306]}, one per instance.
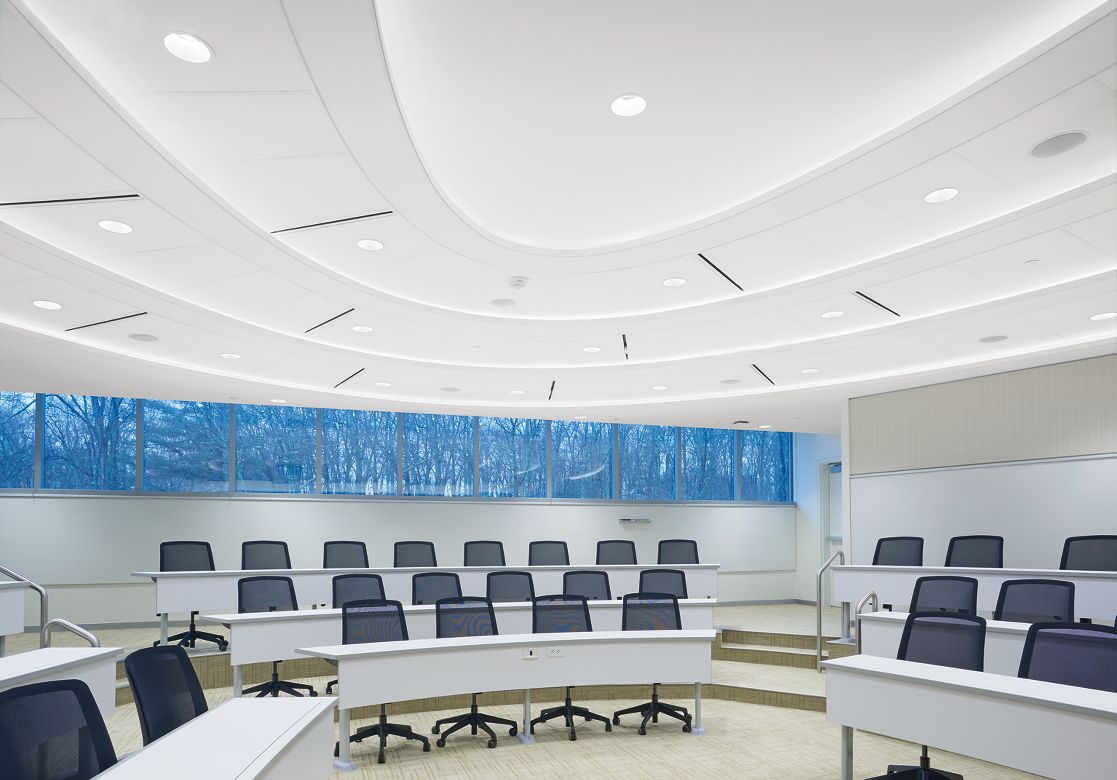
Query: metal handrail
{"type": "Point", "coordinates": [73, 628]}
{"type": "Point", "coordinates": [870, 596]}
{"type": "Point", "coordinates": [44, 611]}
{"type": "Point", "coordinates": [841, 556]}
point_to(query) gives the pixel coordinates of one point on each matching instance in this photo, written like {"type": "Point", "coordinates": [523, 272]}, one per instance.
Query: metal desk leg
{"type": "Point", "coordinates": [164, 626]}
{"type": "Point", "coordinates": [238, 680]}
{"type": "Point", "coordinates": [696, 727]}
{"type": "Point", "coordinates": [342, 762]}
{"type": "Point", "coordinates": [524, 734]}
{"type": "Point", "coordinates": [847, 753]}
{"type": "Point", "coordinates": [2, 645]}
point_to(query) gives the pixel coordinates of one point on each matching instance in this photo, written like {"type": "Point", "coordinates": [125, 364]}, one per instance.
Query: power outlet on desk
{"type": "Point", "coordinates": [530, 654]}
{"type": "Point", "coordinates": [554, 652]}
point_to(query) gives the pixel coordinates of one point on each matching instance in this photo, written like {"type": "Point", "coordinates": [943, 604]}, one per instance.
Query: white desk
{"type": "Point", "coordinates": [216, 591]}
{"type": "Point", "coordinates": [1053, 730]}
{"type": "Point", "coordinates": [95, 666]}
{"type": "Point", "coordinates": [275, 636]}
{"type": "Point", "coordinates": [267, 739]}
{"type": "Point", "coordinates": [1004, 641]}
{"type": "Point", "coordinates": [421, 668]}
{"type": "Point", "coordinates": [11, 609]}
{"type": "Point", "coordinates": [1095, 592]}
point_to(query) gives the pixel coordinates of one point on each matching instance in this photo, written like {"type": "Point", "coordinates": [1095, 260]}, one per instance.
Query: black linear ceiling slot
{"type": "Point", "coordinates": [624, 343]}
{"type": "Point", "coordinates": [57, 201]}
{"type": "Point", "coordinates": [333, 222]}
{"type": "Point", "coordinates": [551, 394]}
{"type": "Point", "coordinates": [106, 322]}
{"type": "Point", "coordinates": [343, 381]}
{"type": "Point", "coordinates": [763, 374]}
{"type": "Point", "coordinates": [726, 276]}
{"type": "Point", "coordinates": [875, 302]}
{"type": "Point", "coordinates": [331, 319]}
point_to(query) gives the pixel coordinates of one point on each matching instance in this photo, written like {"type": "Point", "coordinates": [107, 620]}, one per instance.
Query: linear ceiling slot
{"type": "Point", "coordinates": [624, 343]}
{"type": "Point", "coordinates": [331, 319]}
{"type": "Point", "coordinates": [875, 302]}
{"type": "Point", "coordinates": [333, 222]}
{"type": "Point", "coordinates": [62, 201]}
{"type": "Point", "coordinates": [551, 394]}
{"type": "Point", "coordinates": [763, 374]}
{"type": "Point", "coordinates": [106, 322]}
{"type": "Point", "coordinates": [726, 276]}
{"type": "Point", "coordinates": [343, 381]}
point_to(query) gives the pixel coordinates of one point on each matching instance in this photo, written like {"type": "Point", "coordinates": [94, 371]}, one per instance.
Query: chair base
{"type": "Point", "coordinates": [921, 772]}
{"type": "Point", "coordinates": [569, 712]}
{"type": "Point", "coordinates": [191, 635]}
{"type": "Point", "coordinates": [475, 720]}
{"type": "Point", "coordinates": [382, 731]}
{"type": "Point", "coordinates": [276, 686]}
{"type": "Point", "coordinates": [652, 710]}
{"type": "Point", "coordinates": [330, 687]}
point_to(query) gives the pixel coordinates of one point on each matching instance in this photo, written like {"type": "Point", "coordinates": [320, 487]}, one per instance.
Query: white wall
{"type": "Point", "coordinates": [812, 451]}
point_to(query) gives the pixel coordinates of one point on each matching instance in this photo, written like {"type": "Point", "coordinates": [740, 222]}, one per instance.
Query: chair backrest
{"type": "Point", "coordinates": [944, 640]}
{"type": "Point", "coordinates": [185, 556]}
{"type": "Point", "coordinates": [264, 554]}
{"type": "Point", "coordinates": [1090, 553]}
{"type": "Point", "coordinates": [678, 551]}
{"type": "Point", "coordinates": [357, 587]}
{"type": "Point", "coordinates": [484, 554]}
{"type": "Point", "coordinates": [464, 616]}
{"type": "Point", "coordinates": [166, 689]}
{"type": "Point", "coordinates": [374, 620]}
{"type": "Point", "coordinates": [1071, 654]}
{"type": "Point", "coordinates": [976, 552]}
{"type": "Point", "coordinates": [592, 585]}
{"type": "Point", "coordinates": [266, 594]}
{"type": "Point", "coordinates": [651, 612]}
{"type": "Point", "coordinates": [616, 552]}
{"type": "Point", "coordinates": [501, 586]}
{"type": "Point", "coordinates": [945, 593]}
{"type": "Point", "coordinates": [547, 553]}
{"type": "Point", "coordinates": [414, 554]}
{"type": "Point", "coordinates": [344, 555]}
{"type": "Point", "coordinates": [1035, 601]}
{"type": "Point", "coordinates": [560, 614]}
{"type": "Point", "coordinates": [52, 731]}
{"type": "Point", "coordinates": [430, 586]}
{"type": "Point", "coordinates": [899, 551]}
{"type": "Point", "coordinates": [671, 581]}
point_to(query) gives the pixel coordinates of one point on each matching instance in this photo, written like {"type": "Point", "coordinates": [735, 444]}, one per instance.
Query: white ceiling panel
{"type": "Point", "coordinates": [895, 354]}
{"type": "Point", "coordinates": [335, 246]}
{"type": "Point", "coordinates": [1108, 77]}
{"type": "Point", "coordinates": [1098, 231]}
{"type": "Point", "coordinates": [1071, 319]}
{"type": "Point", "coordinates": [931, 291]}
{"type": "Point", "coordinates": [774, 258]}
{"type": "Point", "coordinates": [1021, 332]}
{"type": "Point", "coordinates": [856, 314]}
{"type": "Point", "coordinates": [79, 305]}
{"type": "Point", "coordinates": [1039, 261]}
{"type": "Point", "coordinates": [177, 267]}
{"type": "Point", "coordinates": [251, 296]}
{"type": "Point", "coordinates": [853, 229]}
{"type": "Point", "coordinates": [12, 107]}
{"type": "Point", "coordinates": [39, 163]}
{"type": "Point", "coordinates": [13, 271]}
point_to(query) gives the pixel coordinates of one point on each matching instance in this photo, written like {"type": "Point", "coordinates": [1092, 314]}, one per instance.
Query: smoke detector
{"type": "Point", "coordinates": [517, 282]}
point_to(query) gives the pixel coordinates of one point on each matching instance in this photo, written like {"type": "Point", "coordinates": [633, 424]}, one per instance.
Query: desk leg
{"type": "Point", "coordinates": [845, 620]}
{"type": "Point", "coordinates": [696, 727]}
{"type": "Point", "coordinates": [164, 627]}
{"type": "Point", "coordinates": [847, 753]}
{"type": "Point", "coordinates": [2, 645]}
{"type": "Point", "coordinates": [524, 734]}
{"type": "Point", "coordinates": [342, 762]}
{"type": "Point", "coordinates": [238, 680]}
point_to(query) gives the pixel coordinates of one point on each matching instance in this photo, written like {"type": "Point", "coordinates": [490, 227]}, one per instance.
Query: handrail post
{"type": "Point", "coordinates": [841, 556]}
{"type": "Point", "coordinates": [44, 610]}
{"type": "Point", "coordinates": [73, 628]}
{"type": "Point", "coordinates": [871, 596]}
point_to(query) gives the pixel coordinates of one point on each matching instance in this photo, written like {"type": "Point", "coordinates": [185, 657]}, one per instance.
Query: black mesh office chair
{"type": "Point", "coordinates": [264, 554]}
{"type": "Point", "coordinates": [616, 552]}
{"type": "Point", "coordinates": [679, 552]}
{"type": "Point", "coordinates": [503, 586]}
{"type": "Point", "coordinates": [944, 640]}
{"type": "Point", "coordinates": [1071, 654]}
{"type": "Point", "coordinates": [976, 552]}
{"type": "Point", "coordinates": [589, 584]}
{"type": "Point", "coordinates": [166, 689]}
{"type": "Point", "coordinates": [189, 556]}
{"type": "Point", "coordinates": [467, 616]}
{"type": "Point", "coordinates": [1035, 601]}
{"type": "Point", "coordinates": [344, 555]}
{"type": "Point", "coordinates": [945, 593]}
{"type": "Point", "coordinates": [412, 554]}
{"type": "Point", "coordinates": [355, 587]}
{"type": "Point", "coordinates": [647, 611]}
{"type": "Point", "coordinates": [430, 586]}
{"type": "Point", "coordinates": [898, 551]}
{"type": "Point", "coordinates": [671, 581]}
{"type": "Point", "coordinates": [554, 615]}
{"type": "Point", "coordinates": [270, 594]}
{"type": "Point", "coordinates": [484, 554]}
{"type": "Point", "coordinates": [377, 621]}
{"type": "Point", "coordinates": [52, 731]}
{"type": "Point", "coordinates": [1089, 553]}
{"type": "Point", "coordinates": [547, 553]}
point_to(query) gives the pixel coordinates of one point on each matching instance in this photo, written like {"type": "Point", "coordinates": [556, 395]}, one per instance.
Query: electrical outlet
{"type": "Point", "coordinates": [530, 654]}
{"type": "Point", "coordinates": [554, 652]}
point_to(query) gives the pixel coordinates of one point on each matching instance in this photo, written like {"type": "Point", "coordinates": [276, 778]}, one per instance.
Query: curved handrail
{"type": "Point", "coordinates": [841, 556]}
{"type": "Point", "coordinates": [870, 596]}
{"type": "Point", "coordinates": [44, 609]}
{"type": "Point", "coordinates": [73, 628]}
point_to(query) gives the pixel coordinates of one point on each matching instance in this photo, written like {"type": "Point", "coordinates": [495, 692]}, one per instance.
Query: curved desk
{"type": "Point", "coordinates": [1004, 641]}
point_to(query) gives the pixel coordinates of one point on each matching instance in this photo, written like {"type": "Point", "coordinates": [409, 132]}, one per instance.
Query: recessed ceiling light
{"type": "Point", "coordinates": [591, 349]}
{"type": "Point", "coordinates": [515, 392]}
{"type": "Point", "coordinates": [659, 387]}
{"type": "Point", "coordinates": [230, 355]}
{"type": "Point", "coordinates": [113, 226]}
{"type": "Point", "coordinates": [502, 303]}
{"type": "Point", "coordinates": [362, 329]}
{"type": "Point", "coordinates": [674, 281]}
{"type": "Point", "coordinates": [629, 105]}
{"type": "Point", "coordinates": [450, 389]}
{"type": "Point", "coordinates": [370, 245]}
{"type": "Point", "coordinates": [941, 195]}
{"type": "Point", "coordinates": [145, 337]}
{"type": "Point", "coordinates": [278, 401]}
{"type": "Point", "coordinates": [1105, 315]}
{"type": "Point", "coordinates": [809, 371]}
{"type": "Point", "coordinates": [830, 315]}
{"type": "Point", "coordinates": [731, 381]}
{"type": "Point", "coordinates": [383, 384]}
{"type": "Point", "coordinates": [764, 427]}
{"type": "Point", "coordinates": [992, 339]}
{"type": "Point", "coordinates": [1058, 144]}
{"type": "Point", "coordinates": [187, 47]}
{"type": "Point", "coordinates": [51, 305]}
{"type": "Point", "coordinates": [580, 417]}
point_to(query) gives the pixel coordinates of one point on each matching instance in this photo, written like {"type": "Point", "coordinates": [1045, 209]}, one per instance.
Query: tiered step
{"type": "Point", "coordinates": [765, 667]}
{"type": "Point", "coordinates": [764, 647]}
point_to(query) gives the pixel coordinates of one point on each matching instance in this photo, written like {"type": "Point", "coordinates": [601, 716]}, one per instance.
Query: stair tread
{"type": "Point", "coordinates": [769, 648]}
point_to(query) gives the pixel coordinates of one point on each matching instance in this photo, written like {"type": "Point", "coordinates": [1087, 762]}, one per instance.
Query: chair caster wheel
{"type": "Point", "coordinates": [616, 721]}
{"type": "Point", "coordinates": [608, 727]}
{"type": "Point", "coordinates": [155, 643]}
{"type": "Point", "coordinates": [314, 693]}
{"type": "Point", "coordinates": [573, 735]}
{"type": "Point", "coordinates": [491, 743]}
{"type": "Point", "coordinates": [427, 746]}
{"type": "Point", "coordinates": [223, 647]}
{"type": "Point", "coordinates": [686, 728]}
{"type": "Point", "coordinates": [434, 730]}
{"type": "Point", "coordinates": [642, 731]}
{"type": "Point", "coordinates": [587, 720]}
{"type": "Point", "coordinates": [513, 731]}
{"type": "Point", "coordinates": [440, 743]}
{"type": "Point", "coordinates": [380, 759]}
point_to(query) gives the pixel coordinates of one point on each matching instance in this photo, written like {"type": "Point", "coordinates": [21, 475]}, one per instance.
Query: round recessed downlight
{"type": "Point", "coordinates": [362, 329]}
{"type": "Point", "coordinates": [49, 305]}
{"type": "Point", "coordinates": [809, 371]}
{"type": "Point", "coordinates": [278, 401]}
{"type": "Point", "coordinates": [580, 417]}
{"type": "Point", "coordinates": [731, 381]}
{"type": "Point", "coordinates": [941, 195]}
{"type": "Point", "coordinates": [659, 387]}
{"type": "Point", "coordinates": [230, 355]}
{"type": "Point", "coordinates": [832, 315]}
{"type": "Point", "coordinates": [1105, 315]}
{"type": "Point", "coordinates": [515, 392]}
{"type": "Point", "coordinates": [629, 105]}
{"type": "Point", "coordinates": [451, 389]}
{"type": "Point", "coordinates": [502, 303]}
{"type": "Point", "coordinates": [764, 427]}
{"type": "Point", "coordinates": [145, 337]}
{"type": "Point", "coordinates": [370, 245]}
{"type": "Point", "coordinates": [113, 226]}
{"type": "Point", "coordinates": [591, 349]}
{"type": "Point", "coordinates": [674, 281]}
{"type": "Point", "coordinates": [992, 339]}
{"type": "Point", "coordinates": [187, 47]}
{"type": "Point", "coordinates": [383, 384]}
{"type": "Point", "coordinates": [1058, 144]}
